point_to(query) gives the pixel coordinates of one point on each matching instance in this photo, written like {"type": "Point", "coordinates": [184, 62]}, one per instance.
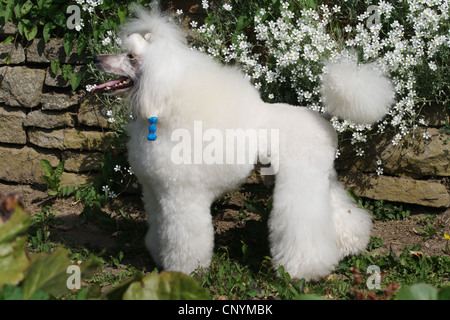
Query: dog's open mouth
{"type": "Point", "coordinates": [115, 86]}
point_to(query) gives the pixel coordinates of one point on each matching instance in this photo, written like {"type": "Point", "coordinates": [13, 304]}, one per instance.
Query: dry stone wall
{"type": "Point", "coordinates": [41, 118]}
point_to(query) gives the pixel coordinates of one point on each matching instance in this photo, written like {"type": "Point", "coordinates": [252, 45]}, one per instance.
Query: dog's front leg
{"type": "Point", "coordinates": [181, 234]}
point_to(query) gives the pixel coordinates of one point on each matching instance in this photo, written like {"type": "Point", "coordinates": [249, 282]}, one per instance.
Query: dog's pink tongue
{"type": "Point", "coordinates": [109, 84]}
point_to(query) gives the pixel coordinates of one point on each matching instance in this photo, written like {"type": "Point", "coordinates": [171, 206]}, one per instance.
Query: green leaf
{"type": "Point", "coordinates": [66, 71]}
{"type": "Point", "coordinates": [444, 294]}
{"type": "Point", "coordinates": [26, 7]}
{"type": "Point", "coordinates": [68, 43]}
{"type": "Point", "coordinates": [122, 13]}
{"type": "Point", "coordinates": [48, 273]}
{"type": "Point", "coordinates": [81, 44]}
{"type": "Point", "coordinates": [8, 40]}
{"type": "Point", "coordinates": [166, 286]}
{"type": "Point", "coordinates": [418, 292]}
{"type": "Point", "coordinates": [54, 66]}
{"type": "Point", "coordinates": [46, 31]}
{"type": "Point", "coordinates": [12, 293]}
{"type": "Point", "coordinates": [59, 171]}
{"type": "Point", "coordinates": [29, 29]}
{"type": "Point", "coordinates": [13, 260]}
{"type": "Point", "coordinates": [75, 80]}
{"type": "Point", "coordinates": [45, 164]}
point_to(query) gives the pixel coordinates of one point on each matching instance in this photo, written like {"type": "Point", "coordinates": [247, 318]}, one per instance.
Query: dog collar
{"type": "Point", "coordinates": [152, 128]}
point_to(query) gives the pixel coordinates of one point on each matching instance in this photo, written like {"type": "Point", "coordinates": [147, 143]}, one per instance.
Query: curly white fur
{"type": "Point", "coordinates": [313, 223]}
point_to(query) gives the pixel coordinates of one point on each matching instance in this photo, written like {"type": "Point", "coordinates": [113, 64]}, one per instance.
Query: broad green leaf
{"type": "Point", "coordinates": [13, 262]}
{"type": "Point", "coordinates": [419, 291]}
{"type": "Point", "coordinates": [26, 7]}
{"type": "Point", "coordinates": [68, 42]}
{"type": "Point", "coordinates": [48, 273]}
{"type": "Point", "coordinates": [16, 225]}
{"type": "Point", "coordinates": [75, 80]}
{"type": "Point", "coordinates": [46, 31]}
{"type": "Point", "coordinates": [11, 293]}
{"type": "Point", "coordinates": [166, 286]}
{"type": "Point", "coordinates": [444, 294]}
{"type": "Point", "coordinates": [30, 31]}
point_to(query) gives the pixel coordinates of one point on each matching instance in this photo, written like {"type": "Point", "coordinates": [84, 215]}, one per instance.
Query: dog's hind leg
{"type": "Point", "coordinates": [302, 233]}
{"type": "Point", "coordinates": [352, 223]}
{"type": "Point", "coordinates": [181, 234]}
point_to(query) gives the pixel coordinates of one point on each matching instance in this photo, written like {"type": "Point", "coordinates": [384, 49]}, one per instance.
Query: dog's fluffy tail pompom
{"type": "Point", "coordinates": [358, 93]}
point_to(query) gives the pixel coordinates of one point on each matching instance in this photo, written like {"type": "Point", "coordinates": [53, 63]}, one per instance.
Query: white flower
{"type": "Point", "coordinates": [90, 87]}
{"type": "Point", "coordinates": [426, 135]}
{"type": "Point", "coordinates": [227, 7]}
{"type": "Point", "coordinates": [271, 96]}
{"type": "Point", "coordinates": [106, 41]}
{"type": "Point", "coordinates": [179, 12]}
{"type": "Point", "coordinates": [117, 168]}
{"type": "Point", "coordinates": [194, 24]}
{"type": "Point", "coordinates": [359, 152]}
{"type": "Point", "coordinates": [379, 162]}
{"type": "Point", "coordinates": [106, 189]}
{"type": "Point", "coordinates": [432, 65]}
{"type": "Point", "coordinates": [379, 171]}
{"type": "Point", "coordinates": [205, 4]}
{"type": "Point", "coordinates": [79, 25]}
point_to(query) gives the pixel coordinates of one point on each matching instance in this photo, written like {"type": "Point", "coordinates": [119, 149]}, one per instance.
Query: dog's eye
{"type": "Point", "coordinates": [130, 56]}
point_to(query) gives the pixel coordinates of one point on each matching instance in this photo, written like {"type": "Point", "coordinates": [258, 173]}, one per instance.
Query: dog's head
{"type": "Point", "coordinates": [128, 65]}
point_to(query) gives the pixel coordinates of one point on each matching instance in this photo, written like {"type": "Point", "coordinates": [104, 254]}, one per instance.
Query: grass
{"type": "Point", "coordinates": [241, 268]}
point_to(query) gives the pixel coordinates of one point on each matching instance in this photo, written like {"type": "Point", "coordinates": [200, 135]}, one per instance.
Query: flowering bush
{"type": "Point", "coordinates": [282, 46]}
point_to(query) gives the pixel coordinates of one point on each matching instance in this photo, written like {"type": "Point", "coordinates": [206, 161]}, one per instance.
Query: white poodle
{"type": "Point", "coordinates": [199, 129]}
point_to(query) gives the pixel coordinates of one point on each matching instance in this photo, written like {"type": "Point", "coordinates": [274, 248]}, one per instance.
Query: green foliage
{"type": "Point", "coordinates": [424, 292]}
{"type": "Point", "coordinates": [30, 277]}
{"type": "Point", "coordinates": [53, 179]}
{"type": "Point", "coordinates": [165, 286]}
{"type": "Point", "coordinates": [381, 210]}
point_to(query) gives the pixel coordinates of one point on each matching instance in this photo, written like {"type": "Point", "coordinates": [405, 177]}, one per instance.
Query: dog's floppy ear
{"type": "Point", "coordinates": [136, 43]}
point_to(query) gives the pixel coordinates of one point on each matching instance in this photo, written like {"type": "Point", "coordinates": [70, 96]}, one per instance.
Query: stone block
{"type": "Point", "coordinates": [57, 80]}
{"type": "Point", "coordinates": [49, 119]}
{"type": "Point", "coordinates": [399, 189]}
{"type": "Point", "coordinates": [23, 164]}
{"type": "Point", "coordinates": [91, 114]}
{"type": "Point", "coordinates": [74, 179]}
{"type": "Point", "coordinates": [59, 101]}
{"type": "Point", "coordinates": [81, 161]}
{"type": "Point", "coordinates": [417, 157]}
{"type": "Point", "coordinates": [67, 139]}
{"type": "Point", "coordinates": [40, 52]}
{"type": "Point", "coordinates": [21, 86]}
{"type": "Point", "coordinates": [15, 50]}
{"type": "Point", "coordinates": [11, 126]}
